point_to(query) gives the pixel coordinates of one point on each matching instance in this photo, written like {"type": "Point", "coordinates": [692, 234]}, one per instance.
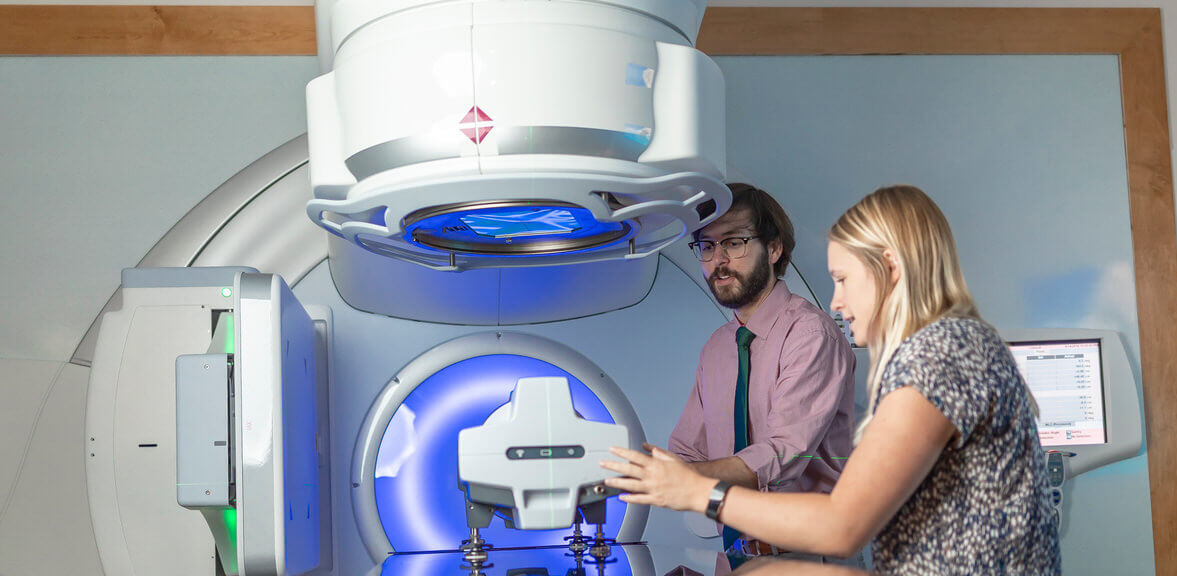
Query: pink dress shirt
{"type": "Point", "coordinates": [800, 397]}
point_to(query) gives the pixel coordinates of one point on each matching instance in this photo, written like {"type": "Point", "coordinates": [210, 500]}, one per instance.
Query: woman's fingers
{"type": "Point", "coordinates": [631, 498]}
{"type": "Point", "coordinates": [627, 484]}
{"type": "Point", "coordinates": [660, 478]}
{"type": "Point", "coordinates": [631, 455]}
{"type": "Point", "coordinates": [623, 468]}
{"type": "Point", "coordinates": [660, 454]}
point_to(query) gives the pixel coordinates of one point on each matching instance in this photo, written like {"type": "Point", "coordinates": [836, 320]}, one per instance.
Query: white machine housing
{"type": "Point", "coordinates": [229, 487]}
{"type": "Point", "coordinates": [281, 470]}
{"type": "Point", "coordinates": [435, 108]}
{"type": "Point", "coordinates": [538, 457]}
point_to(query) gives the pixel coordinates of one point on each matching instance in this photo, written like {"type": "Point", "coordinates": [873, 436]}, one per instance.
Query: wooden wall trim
{"type": "Point", "coordinates": [57, 30]}
{"type": "Point", "coordinates": [1134, 34]}
{"type": "Point", "coordinates": [1146, 128]}
{"type": "Point", "coordinates": [846, 31]}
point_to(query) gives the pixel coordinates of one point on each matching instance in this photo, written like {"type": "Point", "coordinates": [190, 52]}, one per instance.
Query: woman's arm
{"type": "Point", "coordinates": [769, 566]}
{"type": "Point", "coordinates": [897, 451]}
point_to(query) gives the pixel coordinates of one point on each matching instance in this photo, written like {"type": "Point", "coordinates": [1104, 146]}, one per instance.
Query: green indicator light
{"type": "Point", "coordinates": [229, 516]}
{"type": "Point", "coordinates": [230, 335]}
{"type": "Point", "coordinates": [226, 292]}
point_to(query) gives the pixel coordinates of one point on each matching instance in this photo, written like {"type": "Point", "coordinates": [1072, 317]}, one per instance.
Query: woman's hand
{"type": "Point", "coordinates": [658, 479]}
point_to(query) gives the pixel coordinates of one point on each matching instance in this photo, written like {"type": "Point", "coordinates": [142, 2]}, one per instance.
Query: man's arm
{"type": "Point", "coordinates": [730, 469]}
{"type": "Point", "coordinates": [816, 371]}
{"type": "Point", "coordinates": [689, 441]}
{"type": "Point", "coordinates": [689, 438]}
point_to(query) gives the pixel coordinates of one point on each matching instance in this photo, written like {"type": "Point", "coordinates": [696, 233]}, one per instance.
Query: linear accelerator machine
{"type": "Point", "coordinates": [492, 175]}
{"type": "Point", "coordinates": [503, 294]}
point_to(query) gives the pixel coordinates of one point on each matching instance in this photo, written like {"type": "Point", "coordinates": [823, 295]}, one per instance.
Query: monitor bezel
{"type": "Point", "coordinates": [1104, 392]}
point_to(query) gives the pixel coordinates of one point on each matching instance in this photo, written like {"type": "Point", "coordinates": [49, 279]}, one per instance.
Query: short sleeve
{"type": "Point", "coordinates": [942, 364]}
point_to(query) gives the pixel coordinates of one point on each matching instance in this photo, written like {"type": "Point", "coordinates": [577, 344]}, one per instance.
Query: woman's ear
{"type": "Point", "coordinates": [892, 265]}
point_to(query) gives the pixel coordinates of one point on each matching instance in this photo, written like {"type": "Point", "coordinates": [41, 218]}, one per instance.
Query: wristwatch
{"type": "Point", "coordinates": [716, 502]}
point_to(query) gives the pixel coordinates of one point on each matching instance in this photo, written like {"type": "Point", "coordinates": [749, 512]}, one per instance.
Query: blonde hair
{"type": "Point", "coordinates": [906, 222]}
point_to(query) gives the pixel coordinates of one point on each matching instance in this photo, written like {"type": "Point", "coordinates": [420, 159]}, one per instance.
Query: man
{"type": "Point", "coordinates": [787, 427]}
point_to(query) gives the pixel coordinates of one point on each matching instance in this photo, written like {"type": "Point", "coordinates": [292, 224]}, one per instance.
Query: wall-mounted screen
{"type": "Point", "coordinates": [1066, 378]}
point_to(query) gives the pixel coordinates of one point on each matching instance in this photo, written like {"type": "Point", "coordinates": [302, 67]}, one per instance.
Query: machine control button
{"type": "Point", "coordinates": [544, 452]}
{"type": "Point", "coordinates": [1055, 470]}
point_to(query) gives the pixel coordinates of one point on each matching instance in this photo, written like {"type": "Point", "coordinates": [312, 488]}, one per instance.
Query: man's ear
{"type": "Point", "coordinates": [894, 270]}
{"type": "Point", "coordinates": [774, 251]}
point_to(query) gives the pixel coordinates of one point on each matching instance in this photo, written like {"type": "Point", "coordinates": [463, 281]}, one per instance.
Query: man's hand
{"type": "Point", "coordinates": [658, 479]}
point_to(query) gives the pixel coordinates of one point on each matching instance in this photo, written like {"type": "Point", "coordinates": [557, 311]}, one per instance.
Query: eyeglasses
{"type": "Point", "coordinates": [734, 247]}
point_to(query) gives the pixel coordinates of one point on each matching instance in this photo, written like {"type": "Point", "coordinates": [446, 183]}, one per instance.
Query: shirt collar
{"type": "Point", "coordinates": [766, 313]}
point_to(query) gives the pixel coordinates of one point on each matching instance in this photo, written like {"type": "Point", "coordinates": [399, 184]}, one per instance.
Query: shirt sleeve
{"type": "Point", "coordinates": [816, 370]}
{"type": "Point", "coordinates": [935, 365]}
{"type": "Point", "coordinates": [689, 439]}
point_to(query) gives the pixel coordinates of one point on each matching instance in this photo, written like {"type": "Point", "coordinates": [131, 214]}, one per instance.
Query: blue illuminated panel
{"type": "Point", "coordinates": [417, 494]}
{"type": "Point", "coordinates": [514, 222]}
{"type": "Point", "coordinates": [516, 230]}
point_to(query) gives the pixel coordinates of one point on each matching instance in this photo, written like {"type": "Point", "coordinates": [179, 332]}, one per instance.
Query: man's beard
{"type": "Point", "coordinates": [746, 288]}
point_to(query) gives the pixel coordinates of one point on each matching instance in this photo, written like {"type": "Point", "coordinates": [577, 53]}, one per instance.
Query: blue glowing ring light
{"type": "Point", "coordinates": [517, 228]}
{"type": "Point", "coordinates": [415, 504]}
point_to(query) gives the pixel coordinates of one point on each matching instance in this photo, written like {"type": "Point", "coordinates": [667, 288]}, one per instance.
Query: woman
{"type": "Point", "coordinates": [947, 476]}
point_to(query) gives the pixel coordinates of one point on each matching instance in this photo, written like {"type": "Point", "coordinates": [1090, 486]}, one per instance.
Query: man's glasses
{"type": "Point", "coordinates": [735, 247]}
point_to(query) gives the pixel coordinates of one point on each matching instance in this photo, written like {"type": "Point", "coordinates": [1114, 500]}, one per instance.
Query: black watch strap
{"type": "Point", "coordinates": [716, 502]}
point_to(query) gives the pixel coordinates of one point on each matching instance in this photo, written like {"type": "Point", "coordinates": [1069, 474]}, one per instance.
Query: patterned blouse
{"type": "Point", "coordinates": [984, 507]}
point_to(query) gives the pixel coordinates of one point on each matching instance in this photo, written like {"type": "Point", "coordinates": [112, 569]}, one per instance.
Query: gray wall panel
{"type": "Point", "coordinates": [103, 155]}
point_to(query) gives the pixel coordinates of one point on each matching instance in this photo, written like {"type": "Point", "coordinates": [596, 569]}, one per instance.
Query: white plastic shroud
{"type": "Point", "coordinates": [601, 105]}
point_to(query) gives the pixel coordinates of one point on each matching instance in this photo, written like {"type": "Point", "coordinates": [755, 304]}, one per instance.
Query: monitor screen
{"type": "Point", "coordinates": [1066, 378]}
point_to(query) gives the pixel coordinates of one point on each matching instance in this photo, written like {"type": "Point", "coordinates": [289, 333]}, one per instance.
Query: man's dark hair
{"type": "Point", "coordinates": [768, 220]}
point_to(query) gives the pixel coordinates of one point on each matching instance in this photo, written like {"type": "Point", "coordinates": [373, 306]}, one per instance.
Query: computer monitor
{"type": "Point", "coordinates": [1066, 379]}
